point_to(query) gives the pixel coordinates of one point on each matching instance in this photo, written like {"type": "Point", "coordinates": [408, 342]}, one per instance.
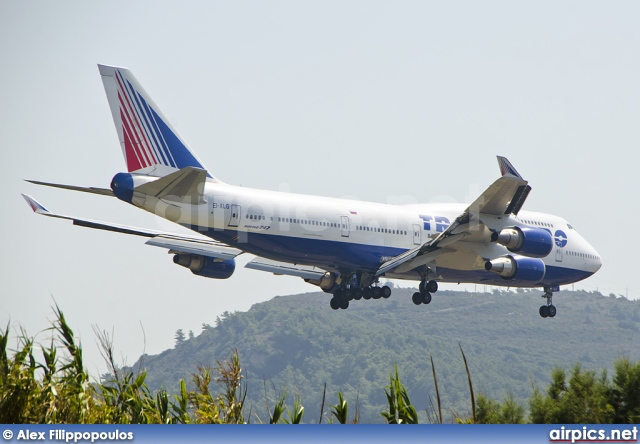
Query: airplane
{"type": "Point", "coordinates": [342, 246]}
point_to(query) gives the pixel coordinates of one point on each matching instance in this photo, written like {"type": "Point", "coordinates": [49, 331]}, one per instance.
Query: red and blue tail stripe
{"type": "Point", "coordinates": [148, 139]}
{"type": "Point", "coordinates": [507, 168]}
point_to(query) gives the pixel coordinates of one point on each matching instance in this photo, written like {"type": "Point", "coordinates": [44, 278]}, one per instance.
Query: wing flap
{"type": "Point", "coordinates": [190, 245]}
{"type": "Point", "coordinates": [497, 198]}
{"type": "Point", "coordinates": [280, 268]}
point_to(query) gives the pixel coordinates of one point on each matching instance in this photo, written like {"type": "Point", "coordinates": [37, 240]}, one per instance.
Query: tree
{"type": "Point", "coordinates": [625, 392]}
{"type": "Point", "coordinates": [179, 337]}
{"type": "Point", "coordinates": [583, 399]}
{"type": "Point", "coordinates": [493, 412]}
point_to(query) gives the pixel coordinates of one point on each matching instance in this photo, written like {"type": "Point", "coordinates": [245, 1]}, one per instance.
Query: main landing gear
{"type": "Point", "coordinates": [549, 310]}
{"type": "Point", "coordinates": [424, 295]}
{"type": "Point", "coordinates": [342, 295]}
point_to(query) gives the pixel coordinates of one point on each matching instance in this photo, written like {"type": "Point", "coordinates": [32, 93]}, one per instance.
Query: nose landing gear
{"type": "Point", "coordinates": [549, 310]}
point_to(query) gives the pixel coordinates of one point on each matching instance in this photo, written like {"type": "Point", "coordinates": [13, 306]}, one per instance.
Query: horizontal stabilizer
{"type": "Point", "coordinates": [92, 190]}
{"type": "Point", "coordinates": [185, 185]}
{"type": "Point", "coordinates": [280, 268]}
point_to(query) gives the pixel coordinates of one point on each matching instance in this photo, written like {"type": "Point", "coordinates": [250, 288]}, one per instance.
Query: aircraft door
{"type": "Point", "coordinates": [560, 240]}
{"type": "Point", "coordinates": [417, 234]}
{"type": "Point", "coordinates": [344, 225]}
{"type": "Point", "coordinates": [235, 215]}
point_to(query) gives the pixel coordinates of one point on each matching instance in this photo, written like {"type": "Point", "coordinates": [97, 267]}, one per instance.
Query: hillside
{"type": "Point", "coordinates": [298, 343]}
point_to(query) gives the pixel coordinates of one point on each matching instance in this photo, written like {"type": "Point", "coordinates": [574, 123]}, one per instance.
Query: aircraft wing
{"type": "Point", "coordinates": [176, 243]}
{"type": "Point", "coordinates": [504, 196]}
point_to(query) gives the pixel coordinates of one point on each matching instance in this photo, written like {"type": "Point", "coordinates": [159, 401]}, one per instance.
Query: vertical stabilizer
{"type": "Point", "coordinates": [150, 144]}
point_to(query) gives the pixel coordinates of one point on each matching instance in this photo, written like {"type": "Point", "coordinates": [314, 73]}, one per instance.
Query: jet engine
{"type": "Point", "coordinates": [326, 282]}
{"type": "Point", "coordinates": [206, 266]}
{"type": "Point", "coordinates": [517, 268]}
{"type": "Point", "coordinates": [527, 241]}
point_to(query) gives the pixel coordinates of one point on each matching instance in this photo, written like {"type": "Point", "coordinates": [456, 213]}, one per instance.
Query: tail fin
{"type": "Point", "coordinates": [150, 144]}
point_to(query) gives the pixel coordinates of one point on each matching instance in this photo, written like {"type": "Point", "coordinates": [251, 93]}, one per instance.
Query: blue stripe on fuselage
{"type": "Point", "coordinates": [336, 255]}
{"type": "Point", "coordinates": [329, 254]}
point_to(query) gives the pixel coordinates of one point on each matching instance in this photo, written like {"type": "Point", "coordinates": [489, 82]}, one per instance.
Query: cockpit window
{"type": "Point", "coordinates": [570, 227]}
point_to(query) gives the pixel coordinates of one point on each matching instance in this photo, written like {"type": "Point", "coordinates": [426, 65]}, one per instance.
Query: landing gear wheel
{"type": "Point", "coordinates": [334, 303]}
{"type": "Point", "coordinates": [386, 292]}
{"type": "Point", "coordinates": [367, 293]}
{"type": "Point", "coordinates": [377, 292]}
{"type": "Point", "coordinates": [421, 286]}
{"type": "Point", "coordinates": [416, 298]}
{"type": "Point", "coordinates": [544, 311]}
{"type": "Point", "coordinates": [426, 298]}
{"type": "Point", "coordinates": [337, 293]}
{"type": "Point", "coordinates": [357, 295]}
{"type": "Point", "coordinates": [347, 294]}
{"type": "Point", "coordinates": [344, 304]}
{"type": "Point", "coordinates": [548, 310]}
{"type": "Point", "coordinates": [432, 286]}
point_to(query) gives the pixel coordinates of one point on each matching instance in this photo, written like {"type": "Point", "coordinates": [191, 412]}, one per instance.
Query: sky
{"type": "Point", "coordinates": [397, 102]}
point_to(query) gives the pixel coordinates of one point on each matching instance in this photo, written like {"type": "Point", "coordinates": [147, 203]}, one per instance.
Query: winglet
{"type": "Point", "coordinates": [35, 205]}
{"type": "Point", "coordinates": [506, 168]}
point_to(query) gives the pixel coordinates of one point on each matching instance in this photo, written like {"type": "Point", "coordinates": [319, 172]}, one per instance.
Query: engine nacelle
{"type": "Point", "coordinates": [123, 184]}
{"type": "Point", "coordinates": [527, 241]}
{"type": "Point", "coordinates": [521, 269]}
{"type": "Point", "coordinates": [327, 282]}
{"type": "Point", "coordinates": [206, 266]}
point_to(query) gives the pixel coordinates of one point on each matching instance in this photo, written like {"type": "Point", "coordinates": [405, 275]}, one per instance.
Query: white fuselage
{"type": "Point", "coordinates": [348, 235]}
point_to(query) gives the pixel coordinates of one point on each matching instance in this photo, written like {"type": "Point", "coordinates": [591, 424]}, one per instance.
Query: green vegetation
{"type": "Point", "coordinates": [57, 389]}
{"type": "Point", "coordinates": [297, 343]}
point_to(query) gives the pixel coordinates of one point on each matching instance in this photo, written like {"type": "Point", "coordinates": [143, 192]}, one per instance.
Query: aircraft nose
{"type": "Point", "coordinates": [597, 260]}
